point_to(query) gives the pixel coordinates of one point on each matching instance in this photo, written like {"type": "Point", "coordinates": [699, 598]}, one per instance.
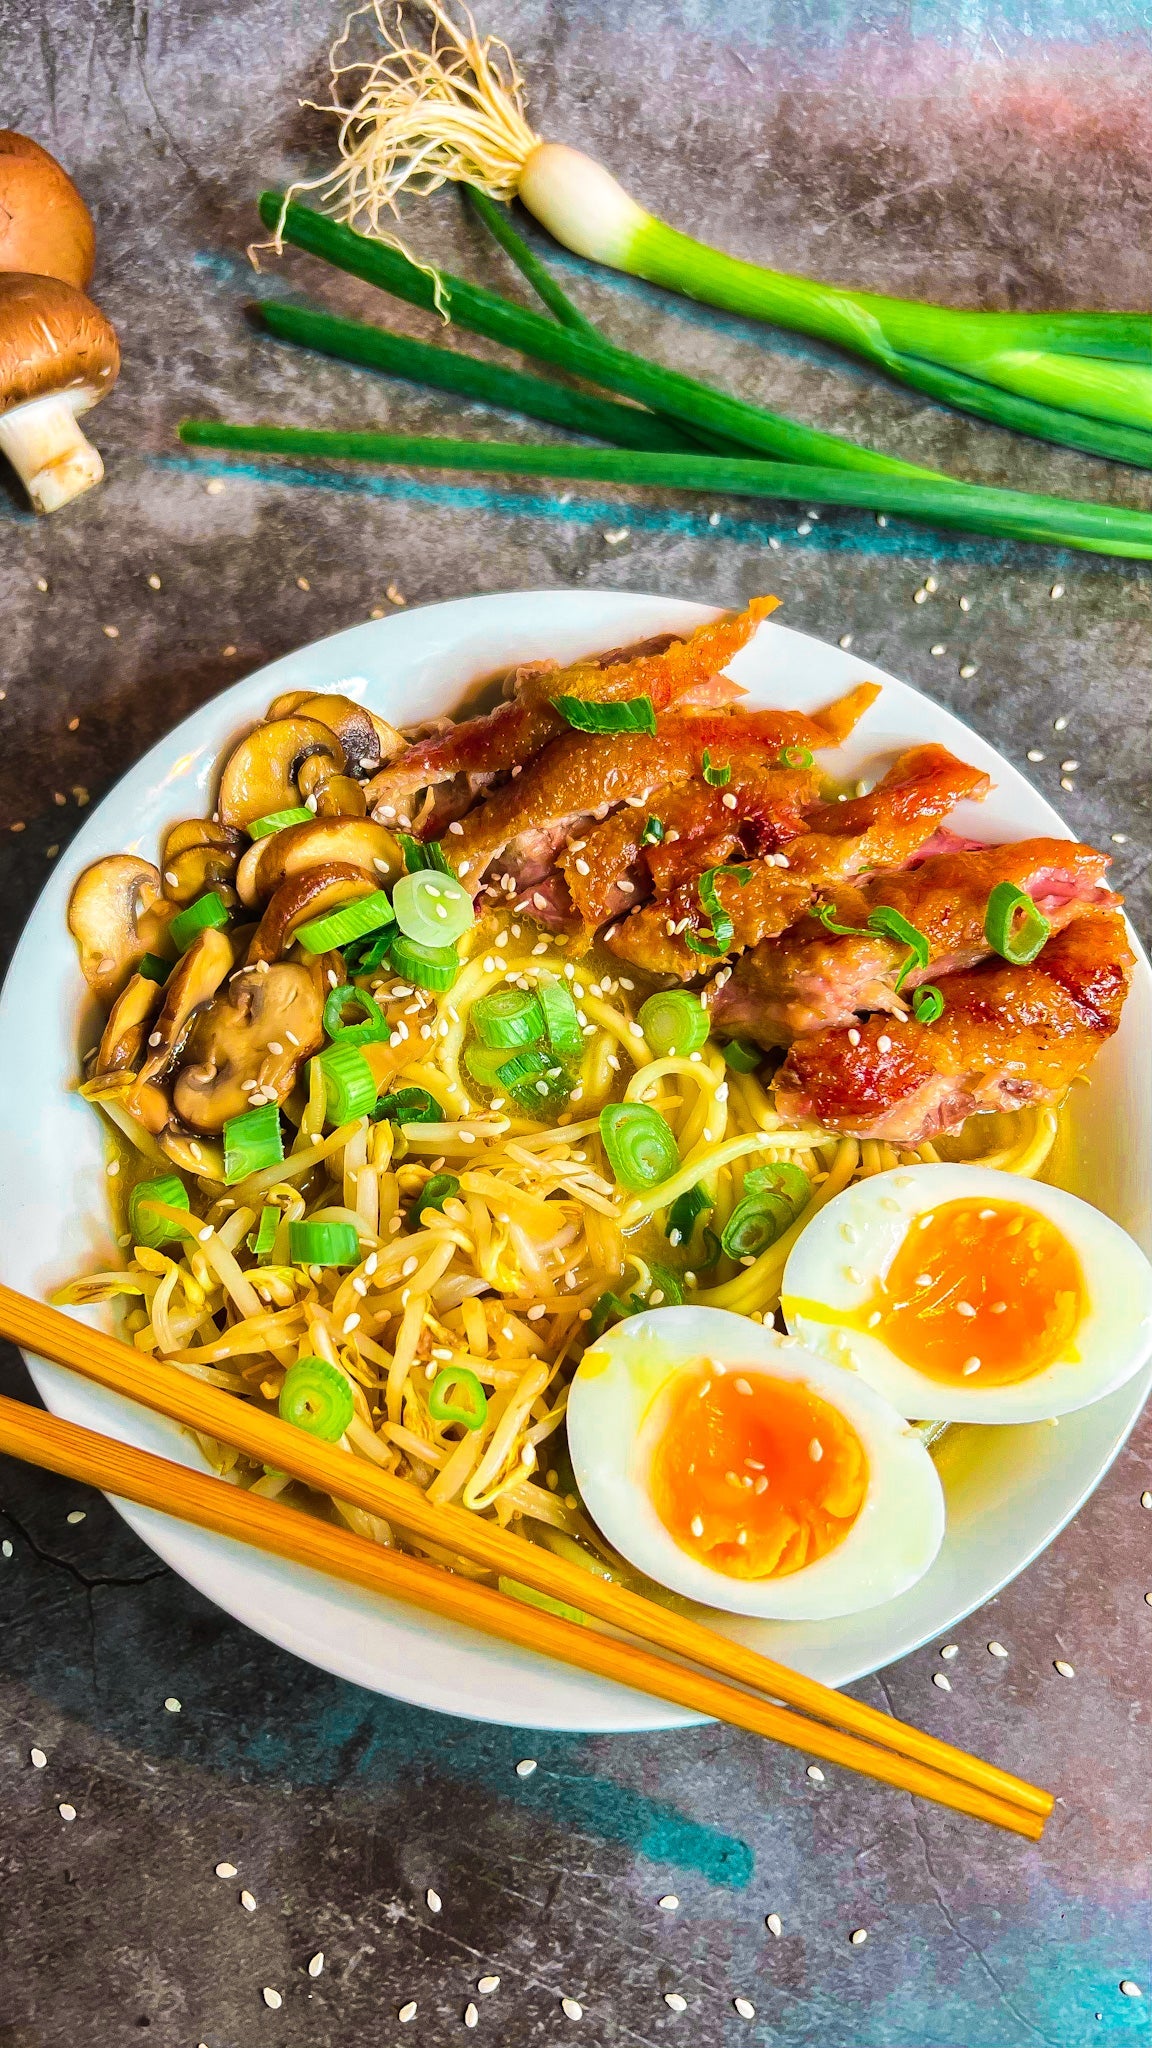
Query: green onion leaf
{"type": "Point", "coordinates": [437, 1189]}
{"type": "Point", "coordinates": [605, 1309]}
{"type": "Point", "coordinates": [262, 1239]}
{"type": "Point", "coordinates": [154, 969]}
{"type": "Point", "coordinates": [349, 1083]}
{"type": "Point", "coordinates": [278, 821]}
{"type": "Point", "coordinates": [323, 1244]}
{"type": "Point", "coordinates": [716, 778]}
{"type": "Point", "coordinates": [1013, 926]}
{"type": "Point", "coordinates": [457, 1396]}
{"type": "Point", "coordinates": [431, 967]}
{"type": "Point", "coordinates": [665, 1284]}
{"type": "Point", "coordinates": [508, 1017]}
{"type": "Point", "coordinates": [409, 1106]}
{"type": "Point", "coordinates": [534, 1080]}
{"type": "Point", "coordinates": [485, 1061]}
{"type": "Point", "coordinates": [350, 921]}
{"type": "Point", "coordinates": [316, 1397]}
{"type": "Point", "coordinates": [653, 832]}
{"type": "Point", "coordinates": [422, 853]}
{"type": "Point", "coordinates": [716, 942]}
{"type": "Point", "coordinates": [794, 757]}
{"type": "Point", "coordinates": [927, 1003]}
{"type": "Point", "coordinates": [432, 908]}
{"type": "Point", "coordinates": [208, 913]}
{"type": "Point", "coordinates": [370, 1028]}
{"type": "Point", "coordinates": [712, 1250]}
{"type": "Point", "coordinates": [893, 926]}
{"type": "Point", "coordinates": [826, 912]}
{"type": "Point", "coordinates": [146, 1226]}
{"type": "Point", "coordinates": [635, 714]}
{"type": "Point", "coordinates": [683, 1212]}
{"type": "Point", "coordinates": [252, 1141]}
{"type": "Point", "coordinates": [783, 1178]}
{"type": "Point", "coordinates": [561, 1022]}
{"type": "Point", "coordinates": [362, 955]}
{"type": "Point", "coordinates": [673, 1023]}
{"type": "Point", "coordinates": [742, 1056]}
{"type": "Point", "coordinates": [640, 1146]}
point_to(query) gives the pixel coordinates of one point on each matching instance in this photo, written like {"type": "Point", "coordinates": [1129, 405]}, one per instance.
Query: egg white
{"type": "Point", "coordinates": [613, 1423]}
{"type": "Point", "coordinates": [850, 1245]}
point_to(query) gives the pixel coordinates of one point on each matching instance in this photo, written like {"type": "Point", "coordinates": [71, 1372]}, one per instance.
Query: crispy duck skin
{"type": "Point", "coordinates": [885, 828]}
{"type": "Point", "coordinates": [810, 979]}
{"type": "Point", "coordinates": [665, 669]}
{"type": "Point", "coordinates": [1009, 1037]}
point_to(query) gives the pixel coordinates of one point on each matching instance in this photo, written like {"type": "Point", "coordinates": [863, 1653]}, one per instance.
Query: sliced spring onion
{"type": "Point", "coordinates": [716, 778]}
{"type": "Point", "coordinates": [146, 1226]}
{"type": "Point", "coordinates": [635, 714]}
{"type": "Point", "coordinates": [663, 1283]}
{"type": "Point", "coordinates": [349, 1083]}
{"type": "Point", "coordinates": [350, 921]}
{"type": "Point", "coordinates": [154, 969]}
{"type": "Point", "coordinates": [278, 821]}
{"type": "Point", "coordinates": [653, 832]}
{"type": "Point", "coordinates": [742, 1056]}
{"type": "Point", "coordinates": [485, 1061]}
{"type": "Point", "coordinates": [369, 1028]}
{"type": "Point", "coordinates": [432, 908]}
{"type": "Point", "coordinates": [431, 967]}
{"type": "Point", "coordinates": [362, 955]}
{"type": "Point", "coordinates": [534, 1080]}
{"type": "Point", "coordinates": [640, 1146]}
{"type": "Point", "coordinates": [795, 757]}
{"type": "Point", "coordinates": [782, 1178]}
{"type": "Point", "coordinates": [252, 1141]}
{"type": "Point", "coordinates": [422, 853]}
{"type": "Point", "coordinates": [714, 943]}
{"type": "Point", "coordinates": [208, 913]}
{"type": "Point", "coordinates": [712, 1250]}
{"type": "Point", "coordinates": [755, 1223]}
{"type": "Point", "coordinates": [673, 1023]}
{"type": "Point", "coordinates": [683, 1212]}
{"type": "Point", "coordinates": [890, 923]}
{"type": "Point", "coordinates": [316, 1396]}
{"type": "Point", "coordinates": [508, 1017]}
{"type": "Point", "coordinates": [409, 1106]}
{"type": "Point", "coordinates": [1013, 926]}
{"type": "Point", "coordinates": [323, 1244]}
{"type": "Point", "coordinates": [561, 1021]}
{"type": "Point", "coordinates": [927, 1003]}
{"type": "Point", "coordinates": [457, 1396]}
{"type": "Point", "coordinates": [262, 1239]}
{"type": "Point", "coordinates": [437, 1189]}
{"type": "Point", "coordinates": [607, 1308]}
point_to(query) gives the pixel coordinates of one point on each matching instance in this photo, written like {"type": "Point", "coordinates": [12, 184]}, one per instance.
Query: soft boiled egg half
{"type": "Point", "coordinates": [732, 1466]}
{"type": "Point", "coordinates": [966, 1295]}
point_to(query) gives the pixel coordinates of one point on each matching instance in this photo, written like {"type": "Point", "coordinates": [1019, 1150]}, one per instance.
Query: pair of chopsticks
{"type": "Point", "coordinates": [717, 1677]}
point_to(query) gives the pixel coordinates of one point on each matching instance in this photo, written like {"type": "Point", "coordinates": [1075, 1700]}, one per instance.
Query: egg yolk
{"type": "Point", "coordinates": [984, 1292]}
{"type": "Point", "coordinates": [754, 1476]}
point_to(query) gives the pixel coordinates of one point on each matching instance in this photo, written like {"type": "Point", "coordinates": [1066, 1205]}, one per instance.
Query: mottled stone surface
{"type": "Point", "coordinates": [989, 155]}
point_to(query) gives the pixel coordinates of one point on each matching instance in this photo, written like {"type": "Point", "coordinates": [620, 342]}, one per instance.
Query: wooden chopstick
{"type": "Point", "coordinates": [168, 1391]}
{"type": "Point", "coordinates": [211, 1503]}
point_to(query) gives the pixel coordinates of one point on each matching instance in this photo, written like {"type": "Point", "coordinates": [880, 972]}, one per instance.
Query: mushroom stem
{"type": "Point", "coordinates": [46, 447]}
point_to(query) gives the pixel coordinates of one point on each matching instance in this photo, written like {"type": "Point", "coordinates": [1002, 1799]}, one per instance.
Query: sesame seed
{"type": "Point", "coordinates": [919, 597]}
{"type": "Point", "coordinates": [815, 1450]}
{"type": "Point", "coordinates": [804, 528]}
{"type": "Point", "coordinates": [525, 1767]}
{"type": "Point", "coordinates": [950, 1650]}
{"type": "Point", "coordinates": [745, 2008]}
{"type": "Point", "coordinates": [110, 632]}
{"type": "Point", "coordinates": [113, 1168]}
{"type": "Point", "coordinates": [66, 1812]}
{"type": "Point", "coordinates": [77, 1515]}
{"type": "Point", "coordinates": [967, 670]}
{"type": "Point", "coordinates": [965, 603]}
{"type": "Point", "coordinates": [6, 1547]}
{"type": "Point", "coordinates": [742, 1386]}
{"type": "Point", "coordinates": [433, 1901]}
{"type": "Point", "coordinates": [248, 1902]}
{"type": "Point", "coordinates": [884, 1043]}
{"type": "Point", "coordinates": [1060, 724]}
{"type": "Point", "coordinates": [845, 641]}
{"type": "Point", "coordinates": [1146, 1499]}
{"type": "Point", "coordinates": [225, 1870]}
{"type": "Point", "coordinates": [939, 1679]}
{"type": "Point", "coordinates": [674, 2002]}
{"type": "Point", "coordinates": [774, 1924]}
{"type": "Point", "coordinates": [997, 1650]}
{"type": "Point", "coordinates": [1067, 783]}
{"type": "Point", "coordinates": [37, 1759]}
{"type": "Point", "coordinates": [1034, 754]}
{"type": "Point", "coordinates": [853, 1036]}
{"type": "Point", "coordinates": [858, 1937]}
{"type": "Point", "coordinates": [571, 2007]}
{"type": "Point", "coordinates": [1057, 590]}
{"type": "Point", "coordinates": [1129, 1988]}
{"type": "Point", "coordinates": [272, 1998]}
{"type": "Point", "coordinates": [1065, 1670]}
{"type": "Point", "coordinates": [316, 1963]}
{"type": "Point", "coordinates": [815, 1773]}
{"type": "Point", "coordinates": [471, 2014]}
{"type": "Point", "coordinates": [697, 1526]}
{"type": "Point", "coordinates": [486, 1985]}
{"type": "Point", "coordinates": [1119, 838]}
{"type": "Point", "coordinates": [668, 1903]}
{"type": "Point", "coordinates": [214, 487]}
{"type": "Point", "coordinates": [938, 649]}
{"type": "Point", "coordinates": [931, 585]}
{"type": "Point", "coordinates": [729, 802]}
{"type": "Point", "coordinates": [407, 2012]}
{"type": "Point", "coordinates": [1069, 767]}
{"type": "Point", "coordinates": [172, 1704]}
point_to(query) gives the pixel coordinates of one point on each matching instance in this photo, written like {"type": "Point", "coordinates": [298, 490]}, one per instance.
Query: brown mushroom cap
{"type": "Point", "coordinates": [348, 721]}
{"type": "Point", "coordinates": [258, 1029]}
{"type": "Point", "coordinates": [116, 914]}
{"type": "Point", "coordinates": [53, 339]}
{"type": "Point", "coordinates": [259, 775]}
{"type": "Point", "coordinates": [302, 897]}
{"type": "Point", "coordinates": [357, 842]}
{"type": "Point", "coordinates": [45, 226]}
{"type": "Point", "coordinates": [327, 794]}
{"type": "Point", "coordinates": [128, 1025]}
{"type": "Point", "coordinates": [191, 865]}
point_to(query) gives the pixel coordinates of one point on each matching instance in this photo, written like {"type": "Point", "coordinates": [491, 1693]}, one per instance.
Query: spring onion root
{"type": "Point", "coordinates": [450, 108]}
{"type": "Point", "coordinates": [1015, 515]}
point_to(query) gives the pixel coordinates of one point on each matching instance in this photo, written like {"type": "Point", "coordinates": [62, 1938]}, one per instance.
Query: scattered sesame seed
{"type": "Point", "coordinates": [1060, 724]}
{"type": "Point", "coordinates": [110, 632]}
{"type": "Point", "coordinates": [674, 2002]}
{"type": "Point", "coordinates": [884, 1043]}
{"type": "Point", "coordinates": [713, 519]}
{"type": "Point", "coordinates": [37, 1759]}
{"type": "Point", "coordinates": [745, 2008]}
{"type": "Point", "coordinates": [845, 641]}
{"type": "Point", "coordinates": [774, 1924]}
{"type": "Point", "coordinates": [1065, 1670]}
{"type": "Point", "coordinates": [41, 583]}
{"type": "Point", "coordinates": [214, 487]}
{"type": "Point", "coordinates": [407, 2012]}
{"type": "Point", "coordinates": [858, 1937]}
{"type": "Point", "coordinates": [172, 1704]}
{"type": "Point", "coordinates": [1067, 783]}
{"type": "Point", "coordinates": [1034, 754]}
{"type": "Point", "coordinates": [881, 519]}
{"type": "Point", "coordinates": [919, 597]}
{"type": "Point", "coordinates": [1146, 1499]}
{"type": "Point", "coordinates": [471, 2014]}
{"type": "Point", "coordinates": [815, 1773]}
{"type": "Point", "coordinates": [248, 1902]}
{"type": "Point", "coordinates": [486, 1985]}
{"type": "Point", "coordinates": [1119, 838]}
{"type": "Point", "coordinates": [6, 1547]}
{"type": "Point", "coordinates": [938, 649]}
{"type": "Point", "coordinates": [1069, 767]}
{"type": "Point", "coordinates": [113, 1168]}
{"type": "Point", "coordinates": [931, 585]}
{"type": "Point", "coordinates": [525, 1767]}
{"type": "Point", "coordinates": [433, 1901]}
{"type": "Point", "coordinates": [77, 1515]}
{"type": "Point", "coordinates": [66, 1812]}
{"type": "Point", "coordinates": [1130, 1988]}
{"type": "Point", "coordinates": [225, 1870]}
{"type": "Point", "coordinates": [967, 670]}
{"type": "Point", "coordinates": [997, 1650]}
{"type": "Point", "coordinates": [939, 1679]}
{"type": "Point", "coordinates": [571, 2007]}
{"type": "Point", "coordinates": [316, 1963]}
{"type": "Point", "coordinates": [668, 1903]}
{"type": "Point", "coordinates": [1057, 590]}
{"type": "Point", "coordinates": [950, 1650]}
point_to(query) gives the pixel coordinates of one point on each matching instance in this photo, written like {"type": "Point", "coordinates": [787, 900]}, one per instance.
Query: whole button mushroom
{"type": "Point", "coordinates": [45, 226]}
{"type": "Point", "coordinates": [58, 357]}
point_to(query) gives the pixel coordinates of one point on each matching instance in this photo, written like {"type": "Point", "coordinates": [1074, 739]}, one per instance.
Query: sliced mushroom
{"type": "Point", "coordinates": [357, 842]}
{"type": "Point", "coordinates": [195, 981]}
{"type": "Point", "coordinates": [260, 774]}
{"type": "Point", "coordinates": [353, 726]}
{"type": "Point", "coordinates": [330, 796]}
{"type": "Point", "coordinates": [249, 1042]}
{"type": "Point", "coordinates": [192, 1155]}
{"type": "Point", "coordinates": [199, 856]}
{"type": "Point", "coordinates": [302, 897]}
{"type": "Point", "coordinates": [116, 914]}
{"type": "Point", "coordinates": [123, 1042]}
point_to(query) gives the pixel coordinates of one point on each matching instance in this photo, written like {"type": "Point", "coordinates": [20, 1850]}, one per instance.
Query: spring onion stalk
{"type": "Point", "coordinates": [457, 1396]}
{"type": "Point", "coordinates": [323, 1244]}
{"type": "Point", "coordinates": [368, 1024]}
{"type": "Point", "coordinates": [421, 362]}
{"type": "Point", "coordinates": [450, 108]}
{"type": "Point", "coordinates": [561, 1019]}
{"type": "Point", "coordinates": [933, 501]}
{"type": "Point", "coordinates": [349, 1083]}
{"type": "Point", "coordinates": [316, 1396]}
{"type": "Point", "coordinates": [409, 1106]}
{"type": "Point", "coordinates": [422, 853]}
{"type": "Point", "coordinates": [252, 1141]}
{"type": "Point", "coordinates": [432, 907]}
{"type": "Point", "coordinates": [430, 967]}
{"type": "Point", "coordinates": [642, 1151]}
{"type": "Point", "coordinates": [506, 1018]}
{"type": "Point", "coordinates": [437, 1189]}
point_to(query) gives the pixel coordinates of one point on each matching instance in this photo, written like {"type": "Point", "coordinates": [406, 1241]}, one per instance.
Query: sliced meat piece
{"type": "Point", "coordinates": [605, 872]}
{"type": "Point", "coordinates": [679, 668]}
{"type": "Point", "coordinates": [1009, 1037]}
{"type": "Point", "coordinates": [888, 826]}
{"type": "Point", "coordinates": [478, 748]}
{"type": "Point", "coordinates": [810, 979]}
{"type": "Point", "coordinates": [653, 937]}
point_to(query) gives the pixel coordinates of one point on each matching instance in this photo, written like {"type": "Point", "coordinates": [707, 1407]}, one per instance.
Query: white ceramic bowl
{"type": "Point", "coordinates": [1008, 1490]}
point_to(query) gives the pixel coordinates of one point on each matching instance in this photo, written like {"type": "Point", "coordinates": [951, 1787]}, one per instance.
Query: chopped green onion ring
{"type": "Point", "coordinates": [316, 1397]}
{"type": "Point", "coordinates": [437, 1189]}
{"type": "Point", "coordinates": [716, 942]}
{"type": "Point", "coordinates": [635, 714]}
{"type": "Point", "coordinates": [323, 1244]}
{"type": "Point", "coordinates": [208, 913]}
{"type": "Point", "coordinates": [153, 968]}
{"type": "Point", "coordinates": [278, 821]}
{"type": "Point", "coordinates": [350, 921]}
{"type": "Point", "coordinates": [755, 1223]}
{"type": "Point", "coordinates": [262, 1239]}
{"type": "Point", "coordinates": [422, 853]}
{"type": "Point", "coordinates": [653, 831]}
{"type": "Point", "coordinates": [349, 1083]}
{"type": "Point", "coordinates": [927, 1003]}
{"type": "Point", "coordinates": [431, 967]}
{"type": "Point", "coordinates": [369, 1029]}
{"type": "Point", "coordinates": [561, 1021]}
{"type": "Point", "coordinates": [742, 1056]}
{"type": "Point", "coordinates": [716, 778]}
{"type": "Point", "coordinates": [641, 1148]}
{"type": "Point", "coordinates": [252, 1141]}
{"type": "Point", "coordinates": [674, 1023]}
{"type": "Point", "coordinates": [795, 757]}
{"type": "Point", "coordinates": [683, 1212]}
{"type": "Point", "coordinates": [508, 1017]}
{"type": "Point", "coordinates": [146, 1226]}
{"type": "Point", "coordinates": [432, 908]}
{"type": "Point", "coordinates": [409, 1106]}
{"type": "Point", "coordinates": [457, 1396]}
{"type": "Point", "coordinates": [1013, 926]}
